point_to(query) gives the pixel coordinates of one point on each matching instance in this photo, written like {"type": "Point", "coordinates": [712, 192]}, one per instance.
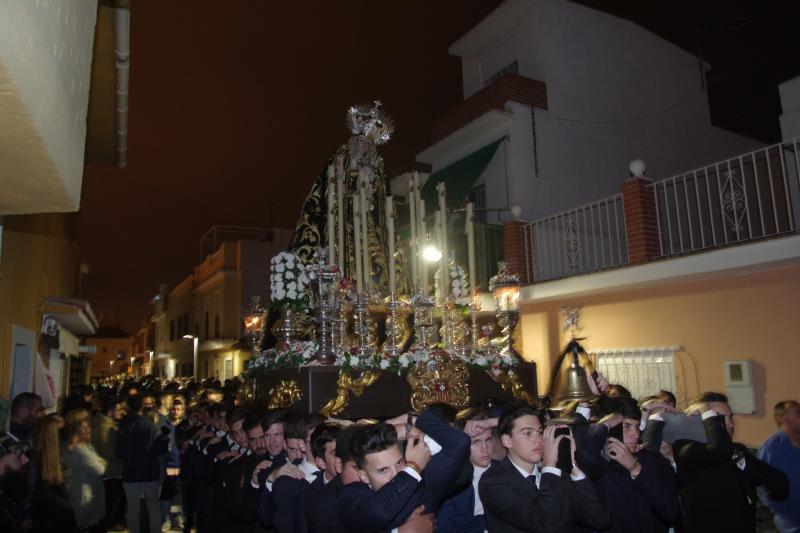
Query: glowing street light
{"type": "Point", "coordinates": [195, 369]}
{"type": "Point", "coordinates": [431, 254]}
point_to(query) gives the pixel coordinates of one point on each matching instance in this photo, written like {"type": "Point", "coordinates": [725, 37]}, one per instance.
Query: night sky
{"type": "Point", "coordinates": [236, 105]}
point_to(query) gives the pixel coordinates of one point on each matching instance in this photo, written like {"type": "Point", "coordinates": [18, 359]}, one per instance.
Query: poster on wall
{"type": "Point", "coordinates": [43, 384]}
{"type": "Point", "coordinates": [49, 334]}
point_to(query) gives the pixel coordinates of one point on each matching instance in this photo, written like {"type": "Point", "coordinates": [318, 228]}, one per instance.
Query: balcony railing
{"type": "Point", "coordinates": [751, 196]}
{"type": "Point", "coordinates": [578, 241]}
{"type": "Point", "coordinates": [488, 251]}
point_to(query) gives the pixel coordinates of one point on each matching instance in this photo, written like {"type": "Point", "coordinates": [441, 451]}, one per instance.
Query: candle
{"type": "Point", "coordinates": [340, 210]}
{"type": "Point", "coordinates": [362, 174]}
{"type": "Point", "coordinates": [437, 232]}
{"type": "Point", "coordinates": [357, 241]}
{"type": "Point", "coordinates": [412, 245]}
{"type": "Point", "coordinates": [445, 255]}
{"type": "Point", "coordinates": [331, 223]}
{"type": "Point", "coordinates": [470, 230]}
{"type": "Point", "coordinates": [423, 238]}
{"type": "Point", "coordinates": [390, 230]}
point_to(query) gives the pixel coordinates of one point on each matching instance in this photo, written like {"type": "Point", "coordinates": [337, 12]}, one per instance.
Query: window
{"type": "Point", "coordinates": [171, 330]}
{"type": "Point", "coordinates": [205, 331]}
{"type": "Point", "coordinates": [477, 195]}
{"type": "Point", "coordinates": [511, 68]}
{"type": "Point", "coordinates": [216, 327]}
{"type": "Point", "coordinates": [643, 371]}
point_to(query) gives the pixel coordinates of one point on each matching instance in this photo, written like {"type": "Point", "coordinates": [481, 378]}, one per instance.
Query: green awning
{"type": "Point", "coordinates": [458, 177]}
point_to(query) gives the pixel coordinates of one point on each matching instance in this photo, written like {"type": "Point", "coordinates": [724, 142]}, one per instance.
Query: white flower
{"type": "Point", "coordinates": [279, 268]}
{"type": "Point", "coordinates": [353, 360]}
{"type": "Point", "coordinates": [480, 360]}
{"type": "Point", "coordinates": [403, 360]}
{"type": "Point", "coordinates": [281, 294]}
{"type": "Point", "coordinates": [279, 285]}
{"type": "Point", "coordinates": [384, 364]}
{"type": "Point", "coordinates": [289, 274]}
{"type": "Point", "coordinates": [291, 286]}
{"type": "Point", "coordinates": [291, 294]}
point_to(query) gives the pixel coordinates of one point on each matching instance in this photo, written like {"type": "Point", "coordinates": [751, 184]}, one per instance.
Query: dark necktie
{"type": "Point", "coordinates": [532, 480]}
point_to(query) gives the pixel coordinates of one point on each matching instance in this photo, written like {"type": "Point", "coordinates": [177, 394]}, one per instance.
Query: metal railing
{"type": "Point", "coordinates": [488, 251]}
{"type": "Point", "coordinates": [581, 240]}
{"type": "Point", "coordinates": [750, 196]}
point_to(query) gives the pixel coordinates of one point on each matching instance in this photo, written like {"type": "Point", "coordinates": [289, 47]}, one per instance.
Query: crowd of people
{"type": "Point", "coordinates": [153, 456]}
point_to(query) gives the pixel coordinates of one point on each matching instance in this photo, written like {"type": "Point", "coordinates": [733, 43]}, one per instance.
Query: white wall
{"type": "Point", "coordinates": [45, 69]}
{"type": "Point", "coordinates": [790, 104]}
{"type": "Point", "coordinates": [616, 92]}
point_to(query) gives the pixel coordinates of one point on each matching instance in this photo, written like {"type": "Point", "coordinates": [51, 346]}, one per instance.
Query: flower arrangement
{"type": "Point", "coordinates": [297, 354]}
{"type": "Point", "coordinates": [489, 360]}
{"type": "Point", "coordinates": [288, 282]}
{"type": "Point", "coordinates": [459, 286]}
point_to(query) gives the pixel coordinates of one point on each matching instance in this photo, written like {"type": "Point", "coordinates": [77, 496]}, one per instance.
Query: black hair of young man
{"type": "Point", "coordinates": [343, 442]}
{"type": "Point", "coordinates": [322, 435]}
{"type": "Point", "coordinates": [369, 439]}
{"type": "Point", "coordinates": [506, 423]}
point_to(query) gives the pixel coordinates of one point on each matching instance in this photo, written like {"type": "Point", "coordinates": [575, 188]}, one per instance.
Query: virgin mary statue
{"type": "Point", "coordinates": [370, 128]}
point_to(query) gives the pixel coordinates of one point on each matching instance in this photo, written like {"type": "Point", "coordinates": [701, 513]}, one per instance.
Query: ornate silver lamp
{"type": "Point", "coordinates": [505, 287]}
{"type": "Point", "coordinates": [255, 319]}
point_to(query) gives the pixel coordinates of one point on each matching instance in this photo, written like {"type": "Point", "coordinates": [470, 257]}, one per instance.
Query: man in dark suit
{"type": "Point", "coordinates": [718, 478]}
{"type": "Point", "coordinates": [527, 492]}
{"type": "Point", "coordinates": [464, 511]}
{"type": "Point", "coordinates": [393, 485]}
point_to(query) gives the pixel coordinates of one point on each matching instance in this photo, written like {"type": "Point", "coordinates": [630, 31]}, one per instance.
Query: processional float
{"type": "Point", "coordinates": [351, 296]}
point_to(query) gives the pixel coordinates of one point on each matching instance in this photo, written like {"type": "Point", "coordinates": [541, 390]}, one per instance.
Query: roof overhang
{"type": "Point", "coordinates": [498, 25]}
{"type": "Point", "coordinates": [74, 314]}
{"type": "Point", "coordinates": [484, 130]}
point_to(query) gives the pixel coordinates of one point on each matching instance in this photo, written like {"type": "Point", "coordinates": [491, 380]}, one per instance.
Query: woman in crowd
{"type": "Point", "coordinates": [86, 492]}
{"type": "Point", "coordinates": [52, 512]}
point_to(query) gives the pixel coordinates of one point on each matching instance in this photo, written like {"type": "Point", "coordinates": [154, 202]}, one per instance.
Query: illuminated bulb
{"type": "Point", "coordinates": [431, 254]}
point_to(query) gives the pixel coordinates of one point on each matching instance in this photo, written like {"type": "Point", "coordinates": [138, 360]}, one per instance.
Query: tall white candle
{"type": "Point", "coordinates": [445, 254]}
{"type": "Point", "coordinates": [423, 239]}
{"type": "Point", "coordinates": [390, 233]}
{"type": "Point", "coordinates": [470, 230]}
{"type": "Point", "coordinates": [340, 210]}
{"type": "Point", "coordinates": [365, 215]}
{"type": "Point", "coordinates": [331, 213]}
{"type": "Point", "coordinates": [437, 231]}
{"type": "Point", "coordinates": [357, 241]}
{"type": "Point", "coordinates": [412, 245]}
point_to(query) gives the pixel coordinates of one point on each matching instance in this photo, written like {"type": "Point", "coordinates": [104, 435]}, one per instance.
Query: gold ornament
{"type": "Point", "coordinates": [441, 379]}
{"type": "Point", "coordinates": [509, 379]}
{"type": "Point", "coordinates": [348, 384]}
{"type": "Point", "coordinates": [287, 393]}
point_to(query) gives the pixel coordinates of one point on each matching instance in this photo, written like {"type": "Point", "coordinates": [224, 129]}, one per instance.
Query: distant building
{"type": "Point", "coordinates": [209, 305]}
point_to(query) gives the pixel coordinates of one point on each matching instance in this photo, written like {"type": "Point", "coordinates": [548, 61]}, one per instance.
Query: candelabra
{"type": "Point", "coordinates": [390, 348]}
{"type": "Point", "coordinates": [505, 287]}
{"type": "Point", "coordinates": [324, 279]}
{"type": "Point", "coordinates": [423, 320]}
{"type": "Point", "coordinates": [363, 325]}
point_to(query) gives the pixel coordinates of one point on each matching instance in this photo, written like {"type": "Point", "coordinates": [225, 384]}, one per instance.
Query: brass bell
{"type": "Point", "coordinates": [571, 382]}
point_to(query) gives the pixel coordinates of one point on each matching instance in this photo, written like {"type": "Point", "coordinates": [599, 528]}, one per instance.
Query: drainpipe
{"type": "Point", "coordinates": [122, 27]}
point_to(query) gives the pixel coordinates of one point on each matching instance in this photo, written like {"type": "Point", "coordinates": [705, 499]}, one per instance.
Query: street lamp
{"type": "Point", "coordinates": [195, 369]}
{"type": "Point", "coordinates": [505, 287]}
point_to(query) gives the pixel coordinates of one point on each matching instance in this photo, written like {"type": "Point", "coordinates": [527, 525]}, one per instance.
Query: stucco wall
{"type": "Point", "coordinates": [742, 317]}
{"type": "Point", "coordinates": [38, 259]}
{"type": "Point", "coordinates": [616, 92]}
{"type": "Point", "coordinates": [45, 67]}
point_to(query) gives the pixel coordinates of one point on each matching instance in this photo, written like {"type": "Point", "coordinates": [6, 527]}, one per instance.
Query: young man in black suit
{"type": "Point", "coordinates": [527, 492]}
{"type": "Point", "coordinates": [463, 513]}
{"type": "Point", "coordinates": [718, 478]}
{"type": "Point", "coordinates": [393, 485]}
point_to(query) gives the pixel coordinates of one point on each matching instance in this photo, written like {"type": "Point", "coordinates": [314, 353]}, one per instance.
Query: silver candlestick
{"type": "Point", "coordinates": [391, 349]}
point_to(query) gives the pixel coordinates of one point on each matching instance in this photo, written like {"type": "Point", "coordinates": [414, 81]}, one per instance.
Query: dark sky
{"type": "Point", "coordinates": [236, 105]}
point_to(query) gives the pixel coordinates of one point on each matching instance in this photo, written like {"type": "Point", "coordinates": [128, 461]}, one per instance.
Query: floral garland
{"type": "Point", "coordinates": [459, 286]}
{"type": "Point", "coordinates": [487, 359]}
{"type": "Point", "coordinates": [297, 354]}
{"type": "Point", "coordinates": [288, 282]}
